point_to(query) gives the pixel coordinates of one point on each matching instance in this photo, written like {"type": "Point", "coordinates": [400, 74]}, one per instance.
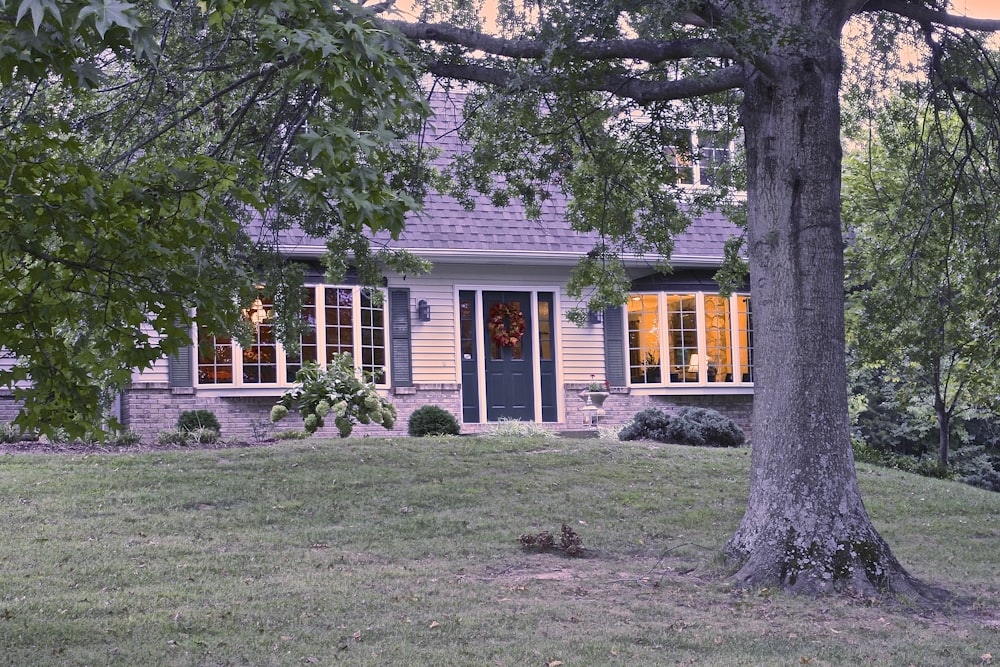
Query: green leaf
{"type": "Point", "coordinates": [38, 8]}
{"type": "Point", "coordinates": [110, 13]}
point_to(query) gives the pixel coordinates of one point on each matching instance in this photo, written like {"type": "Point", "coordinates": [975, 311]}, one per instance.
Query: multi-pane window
{"type": "Point", "coordinates": [695, 335]}
{"type": "Point", "coordinates": [338, 319]}
{"type": "Point", "coordinates": [644, 338]}
{"type": "Point", "coordinates": [682, 336]}
{"type": "Point", "coordinates": [718, 339]}
{"type": "Point", "coordinates": [744, 334]}
{"type": "Point", "coordinates": [696, 157]}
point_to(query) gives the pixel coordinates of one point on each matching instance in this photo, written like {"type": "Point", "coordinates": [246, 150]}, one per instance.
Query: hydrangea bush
{"type": "Point", "coordinates": [340, 392]}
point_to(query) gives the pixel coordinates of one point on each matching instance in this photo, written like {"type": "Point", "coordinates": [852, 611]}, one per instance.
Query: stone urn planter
{"type": "Point", "coordinates": [595, 398]}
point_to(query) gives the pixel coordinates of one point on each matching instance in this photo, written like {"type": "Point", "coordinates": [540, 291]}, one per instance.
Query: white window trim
{"type": "Point", "coordinates": [702, 386]}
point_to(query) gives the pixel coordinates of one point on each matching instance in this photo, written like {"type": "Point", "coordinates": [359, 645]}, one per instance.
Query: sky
{"type": "Point", "coordinates": [983, 9]}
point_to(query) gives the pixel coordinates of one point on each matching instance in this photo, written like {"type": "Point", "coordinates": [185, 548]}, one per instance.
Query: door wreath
{"type": "Point", "coordinates": [501, 334]}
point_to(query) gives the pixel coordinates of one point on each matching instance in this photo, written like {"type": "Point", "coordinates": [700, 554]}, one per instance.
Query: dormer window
{"type": "Point", "coordinates": [696, 156]}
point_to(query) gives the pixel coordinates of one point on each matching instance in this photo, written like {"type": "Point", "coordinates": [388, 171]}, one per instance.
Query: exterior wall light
{"type": "Point", "coordinates": [423, 311]}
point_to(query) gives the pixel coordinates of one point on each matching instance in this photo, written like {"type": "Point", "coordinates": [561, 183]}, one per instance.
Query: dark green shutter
{"type": "Point", "coordinates": [614, 347]}
{"type": "Point", "coordinates": [400, 353]}
{"type": "Point", "coordinates": [180, 369]}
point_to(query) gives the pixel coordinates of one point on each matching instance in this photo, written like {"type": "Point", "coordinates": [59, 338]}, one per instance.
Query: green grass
{"type": "Point", "coordinates": [405, 552]}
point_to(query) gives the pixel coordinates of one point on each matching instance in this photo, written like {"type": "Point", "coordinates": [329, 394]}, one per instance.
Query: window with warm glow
{"type": "Point", "coordinates": [694, 334]}
{"type": "Point", "coordinates": [339, 319]}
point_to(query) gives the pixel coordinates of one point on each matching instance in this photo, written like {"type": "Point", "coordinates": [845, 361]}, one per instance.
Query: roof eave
{"type": "Point", "coordinates": [530, 257]}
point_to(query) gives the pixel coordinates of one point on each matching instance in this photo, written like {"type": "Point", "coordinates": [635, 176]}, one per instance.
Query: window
{"type": "Point", "coordinates": [695, 334]}
{"type": "Point", "coordinates": [340, 319]}
{"type": "Point", "coordinates": [696, 157]}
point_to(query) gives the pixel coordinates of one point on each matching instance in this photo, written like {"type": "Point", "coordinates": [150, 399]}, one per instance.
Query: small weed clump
{"type": "Point", "coordinates": [182, 438]}
{"type": "Point", "coordinates": [126, 437]}
{"type": "Point", "coordinates": [432, 420]}
{"type": "Point", "coordinates": [291, 434]}
{"type": "Point", "coordinates": [570, 542]}
{"type": "Point", "coordinates": [698, 427]}
{"type": "Point", "coordinates": [174, 437]}
{"type": "Point", "coordinates": [515, 428]}
{"type": "Point", "coordinates": [9, 433]}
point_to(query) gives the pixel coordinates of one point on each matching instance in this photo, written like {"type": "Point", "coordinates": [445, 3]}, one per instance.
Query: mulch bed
{"type": "Point", "coordinates": [41, 447]}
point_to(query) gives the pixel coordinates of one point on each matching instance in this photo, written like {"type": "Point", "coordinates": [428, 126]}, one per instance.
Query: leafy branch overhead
{"type": "Point", "coordinates": [154, 156]}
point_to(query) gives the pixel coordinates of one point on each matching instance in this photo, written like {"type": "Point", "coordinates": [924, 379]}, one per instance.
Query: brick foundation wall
{"type": "Point", "coordinates": [8, 406]}
{"type": "Point", "coordinates": [151, 408]}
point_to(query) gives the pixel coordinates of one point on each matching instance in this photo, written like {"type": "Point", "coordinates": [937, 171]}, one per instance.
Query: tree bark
{"type": "Point", "coordinates": [944, 430]}
{"type": "Point", "coordinates": [805, 527]}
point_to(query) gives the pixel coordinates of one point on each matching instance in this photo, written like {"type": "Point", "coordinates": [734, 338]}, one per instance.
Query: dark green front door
{"type": "Point", "coordinates": [508, 363]}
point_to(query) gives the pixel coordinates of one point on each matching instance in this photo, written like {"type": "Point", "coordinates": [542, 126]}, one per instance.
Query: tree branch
{"type": "Point", "coordinates": [922, 13]}
{"type": "Point", "coordinates": [651, 51]}
{"type": "Point", "coordinates": [639, 90]}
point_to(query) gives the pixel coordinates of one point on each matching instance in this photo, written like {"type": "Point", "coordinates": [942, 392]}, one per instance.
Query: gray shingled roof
{"type": "Point", "coordinates": [445, 229]}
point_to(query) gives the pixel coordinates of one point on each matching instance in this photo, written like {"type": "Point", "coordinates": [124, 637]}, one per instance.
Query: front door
{"type": "Point", "coordinates": [508, 363]}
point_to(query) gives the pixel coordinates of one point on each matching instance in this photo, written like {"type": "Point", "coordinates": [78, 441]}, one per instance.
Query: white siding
{"type": "Point", "coordinates": [158, 372]}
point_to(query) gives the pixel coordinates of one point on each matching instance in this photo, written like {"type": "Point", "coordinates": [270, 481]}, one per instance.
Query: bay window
{"type": "Point", "coordinates": [690, 339]}
{"type": "Point", "coordinates": [339, 319]}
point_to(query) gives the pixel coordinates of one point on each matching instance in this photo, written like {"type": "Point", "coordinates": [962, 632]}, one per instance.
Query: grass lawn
{"type": "Point", "coordinates": [405, 552]}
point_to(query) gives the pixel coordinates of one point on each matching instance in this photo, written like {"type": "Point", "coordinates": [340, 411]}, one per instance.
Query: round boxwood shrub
{"type": "Point", "coordinates": [193, 420]}
{"type": "Point", "coordinates": [432, 420]}
{"type": "Point", "coordinates": [699, 427]}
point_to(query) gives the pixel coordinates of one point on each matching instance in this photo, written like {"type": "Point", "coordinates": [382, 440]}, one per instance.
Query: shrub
{"type": "Point", "coordinates": [648, 424]}
{"type": "Point", "coordinates": [702, 427]}
{"type": "Point", "coordinates": [698, 427]}
{"type": "Point", "coordinates": [987, 478]}
{"type": "Point", "coordinates": [340, 391]}
{"type": "Point", "coordinates": [192, 420]}
{"type": "Point", "coordinates": [432, 420]}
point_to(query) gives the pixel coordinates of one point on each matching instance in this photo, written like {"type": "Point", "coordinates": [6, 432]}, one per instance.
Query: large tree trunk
{"type": "Point", "coordinates": [805, 526]}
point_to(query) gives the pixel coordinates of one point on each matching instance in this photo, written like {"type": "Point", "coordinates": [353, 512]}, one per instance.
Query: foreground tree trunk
{"type": "Point", "coordinates": [805, 527]}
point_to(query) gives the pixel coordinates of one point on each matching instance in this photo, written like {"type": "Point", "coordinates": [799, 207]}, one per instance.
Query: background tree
{"type": "Point", "coordinates": [151, 153]}
{"type": "Point", "coordinates": [596, 91]}
{"type": "Point", "coordinates": [923, 268]}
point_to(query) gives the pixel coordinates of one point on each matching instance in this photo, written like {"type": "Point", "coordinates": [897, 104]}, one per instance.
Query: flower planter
{"type": "Point", "coordinates": [595, 398]}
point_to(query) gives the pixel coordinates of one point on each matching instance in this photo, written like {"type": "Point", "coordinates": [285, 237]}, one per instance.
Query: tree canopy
{"type": "Point", "coordinates": [153, 152]}
{"type": "Point", "coordinates": [923, 263]}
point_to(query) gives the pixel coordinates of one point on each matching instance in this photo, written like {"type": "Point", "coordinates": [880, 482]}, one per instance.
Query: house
{"type": "Point", "coordinates": [676, 342]}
